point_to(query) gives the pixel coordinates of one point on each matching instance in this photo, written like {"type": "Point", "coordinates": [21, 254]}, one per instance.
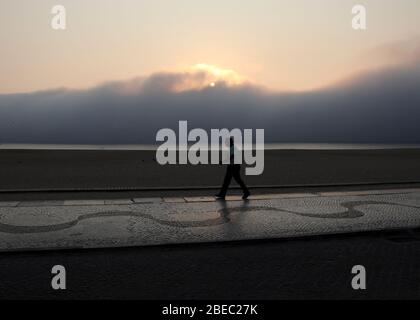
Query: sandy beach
{"type": "Point", "coordinates": [84, 169]}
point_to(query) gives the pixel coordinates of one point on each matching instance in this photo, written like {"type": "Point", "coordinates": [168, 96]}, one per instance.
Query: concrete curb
{"type": "Point", "coordinates": [189, 188]}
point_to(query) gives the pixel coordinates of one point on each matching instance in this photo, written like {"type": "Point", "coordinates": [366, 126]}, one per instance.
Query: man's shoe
{"type": "Point", "coordinates": [220, 197]}
{"type": "Point", "coordinates": [246, 195]}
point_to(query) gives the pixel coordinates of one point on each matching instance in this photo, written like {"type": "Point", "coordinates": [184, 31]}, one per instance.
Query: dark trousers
{"type": "Point", "coordinates": [233, 171]}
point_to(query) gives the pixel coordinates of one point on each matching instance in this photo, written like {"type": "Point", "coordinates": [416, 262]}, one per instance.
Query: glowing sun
{"type": "Point", "coordinates": [216, 74]}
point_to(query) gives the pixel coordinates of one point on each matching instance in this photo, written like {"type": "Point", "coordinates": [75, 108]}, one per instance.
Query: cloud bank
{"type": "Point", "coordinates": [379, 106]}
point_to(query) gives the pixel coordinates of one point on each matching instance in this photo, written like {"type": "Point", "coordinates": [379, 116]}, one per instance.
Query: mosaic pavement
{"type": "Point", "coordinates": [44, 225]}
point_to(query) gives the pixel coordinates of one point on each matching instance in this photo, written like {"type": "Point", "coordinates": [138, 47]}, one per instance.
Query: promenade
{"type": "Point", "coordinates": [79, 224]}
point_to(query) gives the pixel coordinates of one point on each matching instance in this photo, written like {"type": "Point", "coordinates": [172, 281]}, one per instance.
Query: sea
{"type": "Point", "coordinates": [267, 146]}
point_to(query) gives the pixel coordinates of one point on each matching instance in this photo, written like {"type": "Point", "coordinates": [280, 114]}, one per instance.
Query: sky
{"type": "Point", "coordinates": [123, 70]}
{"type": "Point", "coordinates": [284, 45]}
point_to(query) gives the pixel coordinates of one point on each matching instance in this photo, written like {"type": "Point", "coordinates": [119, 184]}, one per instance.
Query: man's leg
{"type": "Point", "coordinates": [226, 181]}
{"type": "Point", "coordinates": [238, 179]}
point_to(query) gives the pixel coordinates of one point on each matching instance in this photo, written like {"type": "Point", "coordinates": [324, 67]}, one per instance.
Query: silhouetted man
{"type": "Point", "coordinates": [233, 170]}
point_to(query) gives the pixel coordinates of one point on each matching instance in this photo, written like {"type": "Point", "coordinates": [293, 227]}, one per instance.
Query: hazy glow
{"type": "Point", "coordinates": [216, 74]}
{"type": "Point", "coordinates": [281, 44]}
